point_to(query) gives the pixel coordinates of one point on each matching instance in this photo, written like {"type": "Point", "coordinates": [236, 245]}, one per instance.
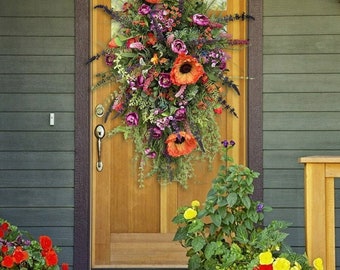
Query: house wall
{"type": "Point", "coordinates": [301, 101]}
{"type": "Point", "coordinates": [37, 78]}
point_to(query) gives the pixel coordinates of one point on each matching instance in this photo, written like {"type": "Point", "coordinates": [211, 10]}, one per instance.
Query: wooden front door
{"type": "Point", "coordinates": [131, 227]}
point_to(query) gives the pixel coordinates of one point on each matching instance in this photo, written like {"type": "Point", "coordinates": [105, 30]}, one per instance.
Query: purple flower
{"type": "Point", "coordinates": [217, 58]}
{"type": "Point", "coordinates": [178, 46]}
{"type": "Point", "coordinates": [131, 119]}
{"type": "Point", "coordinates": [155, 132]}
{"type": "Point", "coordinates": [226, 143]}
{"type": "Point", "coordinates": [137, 83]}
{"type": "Point", "coordinates": [259, 208]}
{"type": "Point", "coordinates": [149, 153]}
{"type": "Point", "coordinates": [140, 81]}
{"type": "Point", "coordinates": [200, 20]}
{"type": "Point", "coordinates": [180, 114]}
{"type": "Point", "coordinates": [109, 59]}
{"type": "Point", "coordinates": [144, 9]}
{"type": "Point", "coordinates": [164, 80]}
{"type": "Point", "coordinates": [157, 111]}
{"type": "Point", "coordinates": [132, 85]}
{"type": "Point", "coordinates": [163, 122]}
{"type": "Point", "coordinates": [26, 242]}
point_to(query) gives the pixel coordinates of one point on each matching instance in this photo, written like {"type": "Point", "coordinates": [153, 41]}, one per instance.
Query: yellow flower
{"type": "Point", "coordinates": [154, 60]}
{"type": "Point", "coordinates": [281, 264]}
{"type": "Point", "coordinates": [195, 203]}
{"type": "Point", "coordinates": [190, 213]}
{"type": "Point", "coordinates": [266, 258]}
{"type": "Point", "coordinates": [317, 263]}
{"type": "Point", "coordinates": [296, 266]}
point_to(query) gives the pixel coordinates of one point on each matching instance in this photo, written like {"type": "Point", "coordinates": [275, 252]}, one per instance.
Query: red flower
{"type": "Point", "coordinates": [113, 43]}
{"type": "Point", "coordinates": [218, 110]}
{"type": "Point", "coordinates": [265, 267]}
{"type": "Point", "coordinates": [45, 242]}
{"type": "Point", "coordinates": [4, 249]}
{"type": "Point", "coordinates": [153, 1]}
{"type": "Point", "coordinates": [152, 40]}
{"type": "Point", "coordinates": [64, 266]}
{"type": "Point", "coordinates": [51, 258]}
{"type": "Point", "coordinates": [126, 6]}
{"type": "Point", "coordinates": [131, 40]}
{"type": "Point", "coordinates": [7, 262]}
{"type": "Point", "coordinates": [19, 255]}
{"type": "Point", "coordinates": [4, 226]}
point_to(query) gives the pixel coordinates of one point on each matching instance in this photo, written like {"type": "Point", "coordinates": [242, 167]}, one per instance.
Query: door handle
{"type": "Point", "coordinates": [99, 132]}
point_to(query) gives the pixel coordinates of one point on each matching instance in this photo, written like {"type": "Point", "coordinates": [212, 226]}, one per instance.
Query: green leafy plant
{"type": "Point", "coordinates": [228, 231]}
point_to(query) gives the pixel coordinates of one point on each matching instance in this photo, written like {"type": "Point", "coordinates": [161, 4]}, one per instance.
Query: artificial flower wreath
{"type": "Point", "coordinates": [170, 62]}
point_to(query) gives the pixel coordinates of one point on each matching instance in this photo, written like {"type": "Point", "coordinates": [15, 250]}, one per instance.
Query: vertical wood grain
{"type": "Point", "coordinates": [100, 225]}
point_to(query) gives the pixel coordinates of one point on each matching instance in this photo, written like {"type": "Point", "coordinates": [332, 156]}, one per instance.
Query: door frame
{"type": "Point", "coordinates": [82, 245]}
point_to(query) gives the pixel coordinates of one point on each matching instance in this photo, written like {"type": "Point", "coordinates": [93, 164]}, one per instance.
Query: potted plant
{"type": "Point", "coordinates": [19, 251]}
{"type": "Point", "coordinates": [228, 232]}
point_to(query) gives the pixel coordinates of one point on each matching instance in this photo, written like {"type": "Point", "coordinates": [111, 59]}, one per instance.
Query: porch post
{"type": "Point", "coordinates": [320, 172]}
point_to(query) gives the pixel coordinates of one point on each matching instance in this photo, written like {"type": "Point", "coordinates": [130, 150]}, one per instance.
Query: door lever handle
{"type": "Point", "coordinates": [99, 132]}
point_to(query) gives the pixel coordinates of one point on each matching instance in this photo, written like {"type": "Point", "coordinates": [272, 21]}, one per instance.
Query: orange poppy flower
{"type": "Point", "coordinates": [186, 70]}
{"type": "Point", "coordinates": [180, 144]}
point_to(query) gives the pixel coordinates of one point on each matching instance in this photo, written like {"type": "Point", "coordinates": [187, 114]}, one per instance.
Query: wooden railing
{"type": "Point", "coordinates": [320, 172]}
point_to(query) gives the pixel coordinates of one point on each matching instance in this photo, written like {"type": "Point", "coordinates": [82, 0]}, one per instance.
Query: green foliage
{"type": "Point", "coordinates": [228, 231]}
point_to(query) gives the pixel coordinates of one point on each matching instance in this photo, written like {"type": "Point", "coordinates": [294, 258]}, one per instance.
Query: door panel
{"type": "Point", "coordinates": [131, 227]}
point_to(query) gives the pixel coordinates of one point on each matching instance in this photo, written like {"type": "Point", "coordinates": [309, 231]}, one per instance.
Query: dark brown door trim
{"type": "Point", "coordinates": [81, 253]}
{"type": "Point", "coordinates": [255, 85]}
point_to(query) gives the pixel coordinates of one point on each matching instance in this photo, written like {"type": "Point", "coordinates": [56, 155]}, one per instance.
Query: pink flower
{"type": "Point", "coordinates": [150, 154]}
{"type": "Point", "coordinates": [180, 114]}
{"type": "Point", "coordinates": [155, 133]}
{"type": "Point", "coordinates": [178, 46]}
{"type": "Point", "coordinates": [170, 38]}
{"type": "Point", "coordinates": [132, 119]}
{"type": "Point", "coordinates": [144, 9]}
{"type": "Point", "coordinates": [164, 80]}
{"type": "Point", "coordinates": [109, 59]}
{"type": "Point", "coordinates": [200, 20]}
{"type": "Point", "coordinates": [136, 45]}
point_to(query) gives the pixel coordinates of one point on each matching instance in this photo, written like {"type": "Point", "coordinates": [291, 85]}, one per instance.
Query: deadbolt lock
{"type": "Point", "coordinates": [99, 111]}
